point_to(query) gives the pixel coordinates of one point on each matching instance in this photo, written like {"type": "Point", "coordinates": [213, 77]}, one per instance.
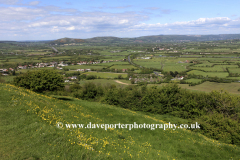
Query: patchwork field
{"type": "Point", "coordinates": [167, 64]}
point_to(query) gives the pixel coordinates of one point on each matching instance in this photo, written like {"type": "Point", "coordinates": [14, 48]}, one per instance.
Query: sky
{"type": "Point", "coordinates": [54, 19]}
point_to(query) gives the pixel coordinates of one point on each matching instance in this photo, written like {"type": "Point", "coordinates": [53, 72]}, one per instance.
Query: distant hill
{"type": "Point", "coordinates": [67, 41]}
{"type": "Point", "coordinates": [149, 39]}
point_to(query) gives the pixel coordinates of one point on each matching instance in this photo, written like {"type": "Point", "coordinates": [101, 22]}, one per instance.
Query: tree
{"type": "Point", "coordinates": [40, 81]}
{"type": "Point", "coordinates": [120, 76]}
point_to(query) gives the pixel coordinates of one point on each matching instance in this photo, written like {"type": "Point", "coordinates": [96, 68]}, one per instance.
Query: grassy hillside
{"type": "Point", "coordinates": [28, 131]}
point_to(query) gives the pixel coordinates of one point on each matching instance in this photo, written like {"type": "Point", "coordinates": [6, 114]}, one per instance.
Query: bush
{"type": "Point", "coordinates": [89, 91]}
{"type": "Point", "coordinates": [89, 77]}
{"type": "Point", "coordinates": [120, 76]}
{"type": "Point", "coordinates": [219, 127]}
{"type": "Point", "coordinates": [39, 81]}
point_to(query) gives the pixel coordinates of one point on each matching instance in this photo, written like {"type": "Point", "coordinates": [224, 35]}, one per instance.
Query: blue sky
{"type": "Point", "coordinates": [54, 19]}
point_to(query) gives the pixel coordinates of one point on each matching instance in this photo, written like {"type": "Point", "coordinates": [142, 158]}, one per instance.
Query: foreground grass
{"type": "Point", "coordinates": [28, 131]}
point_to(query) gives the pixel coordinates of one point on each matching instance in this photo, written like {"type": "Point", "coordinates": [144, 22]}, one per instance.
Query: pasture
{"type": "Point", "coordinates": [106, 74]}
{"type": "Point", "coordinates": [192, 80]}
{"type": "Point", "coordinates": [234, 70]}
{"type": "Point", "coordinates": [210, 86]}
{"type": "Point", "coordinates": [209, 74]}
{"type": "Point", "coordinates": [215, 68]}
{"type": "Point", "coordinates": [106, 82]}
{"type": "Point", "coordinates": [75, 67]}
{"type": "Point", "coordinates": [123, 66]}
{"type": "Point", "coordinates": [165, 63]}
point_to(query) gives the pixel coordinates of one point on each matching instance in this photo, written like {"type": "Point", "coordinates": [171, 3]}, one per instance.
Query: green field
{"type": "Point", "coordinates": [37, 53]}
{"type": "Point", "coordinates": [75, 67]}
{"type": "Point", "coordinates": [209, 74]}
{"type": "Point", "coordinates": [234, 78]}
{"type": "Point", "coordinates": [105, 82]}
{"type": "Point", "coordinates": [123, 66]}
{"type": "Point", "coordinates": [112, 63]}
{"type": "Point", "coordinates": [28, 124]}
{"type": "Point", "coordinates": [234, 70]}
{"type": "Point", "coordinates": [193, 80]}
{"type": "Point", "coordinates": [210, 86]}
{"type": "Point", "coordinates": [166, 63]}
{"type": "Point", "coordinates": [107, 58]}
{"type": "Point", "coordinates": [215, 68]}
{"type": "Point", "coordinates": [106, 75]}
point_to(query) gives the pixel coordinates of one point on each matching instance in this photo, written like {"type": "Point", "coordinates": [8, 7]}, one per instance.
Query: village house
{"type": "Point", "coordinates": [52, 65]}
{"type": "Point", "coordinates": [80, 63]}
{"type": "Point", "coordinates": [180, 78]}
{"type": "Point", "coordinates": [11, 69]}
{"type": "Point", "coordinates": [22, 67]}
{"type": "Point", "coordinates": [124, 70]}
{"type": "Point", "coordinates": [62, 64]}
{"type": "Point", "coordinates": [74, 77]}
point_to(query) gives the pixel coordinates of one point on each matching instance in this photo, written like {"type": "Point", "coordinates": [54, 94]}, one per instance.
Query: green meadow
{"type": "Point", "coordinates": [209, 74]}
{"type": "Point", "coordinates": [167, 64]}
{"type": "Point", "coordinates": [125, 66]}
{"type": "Point", "coordinates": [28, 124]}
{"type": "Point", "coordinates": [106, 75]}
{"type": "Point", "coordinates": [210, 86]}
{"type": "Point", "coordinates": [234, 70]}
{"type": "Point", "coordinates": [215, 68]}
{"type": "Point", "coordinates": [193, 80]}
{"type": "Point", "coordinates": [106, 82]}
{"type": "Point", "coordinates": [75, 67]}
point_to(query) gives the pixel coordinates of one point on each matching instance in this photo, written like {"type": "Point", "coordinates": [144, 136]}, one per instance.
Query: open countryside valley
{"type": "Point", "coordinates": [127, 93]}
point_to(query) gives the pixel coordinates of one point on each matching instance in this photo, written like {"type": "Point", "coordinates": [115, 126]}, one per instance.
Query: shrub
{"type": "Point", "coordinates": [89, 91]}
{"type": "Point", "coordinates": [120, 76]}
{"type": "Point", "coordinates": [89, 77]}
{"type": "Point", "coordinates": [39, 81]}
{"type": "Point", "coordinates": [218, 127]}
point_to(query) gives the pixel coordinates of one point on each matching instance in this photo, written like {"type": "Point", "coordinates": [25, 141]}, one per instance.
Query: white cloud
{"type": "Point", "coordinates": [51, 21]}
{"type": "Point", "coordinates": [9, 2]}
{"type": "Point", "coordinates": [34, 3]}
{"type": "Point", "coordinates": [70, 28]}
{"type": "Point", "coordinates": [20, 13]}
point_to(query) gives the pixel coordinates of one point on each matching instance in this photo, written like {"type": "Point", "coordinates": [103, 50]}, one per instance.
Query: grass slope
{"type": "Point", "coordinates": [28, 131]}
